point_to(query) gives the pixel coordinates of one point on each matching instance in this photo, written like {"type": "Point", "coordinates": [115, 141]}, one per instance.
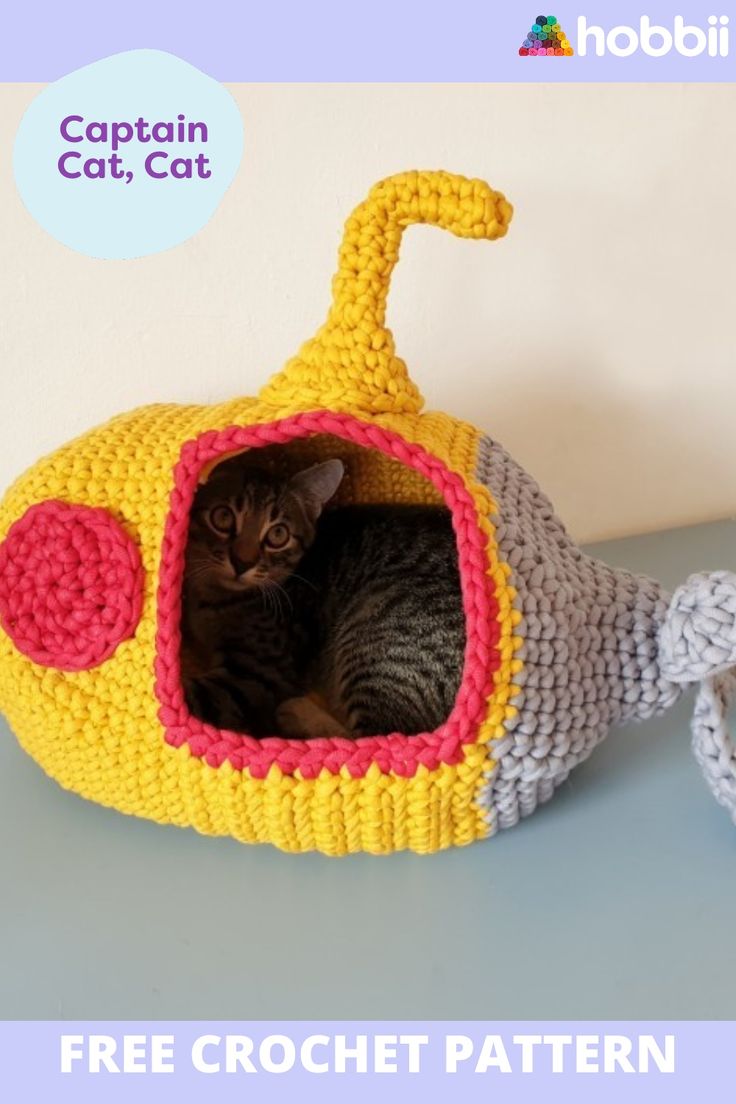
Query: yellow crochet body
{"type": "Point", "coordinates": [99, 731]}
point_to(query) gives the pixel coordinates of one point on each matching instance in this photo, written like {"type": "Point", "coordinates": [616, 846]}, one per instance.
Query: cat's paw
{"type": "Point", "coordinates": [303, 719]}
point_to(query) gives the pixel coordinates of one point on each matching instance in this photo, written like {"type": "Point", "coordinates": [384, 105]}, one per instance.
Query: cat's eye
{"type": "Point", "coordinates": [222, 519]}
{"type": "Point", "coordinates": [278, 536]}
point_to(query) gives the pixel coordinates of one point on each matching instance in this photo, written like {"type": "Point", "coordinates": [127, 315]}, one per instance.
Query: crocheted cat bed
{"type": "Point", "coordinates": [560, 647]}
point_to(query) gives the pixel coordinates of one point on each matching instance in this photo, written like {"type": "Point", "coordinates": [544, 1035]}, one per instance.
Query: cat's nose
{"type": "Point", "coordinates": [240, 566]}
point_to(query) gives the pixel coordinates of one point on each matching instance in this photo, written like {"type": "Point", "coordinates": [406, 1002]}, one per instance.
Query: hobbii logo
{"type": "Point", "coordinates": [656, 41]}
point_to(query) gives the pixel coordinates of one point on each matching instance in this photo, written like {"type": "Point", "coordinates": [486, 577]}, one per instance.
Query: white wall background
{"type": "Point", "coordinates": [596, 341]}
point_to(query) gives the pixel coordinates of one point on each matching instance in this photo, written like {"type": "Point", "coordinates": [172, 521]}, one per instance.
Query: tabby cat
{"type": "Point", "coordinates": [359, 607]}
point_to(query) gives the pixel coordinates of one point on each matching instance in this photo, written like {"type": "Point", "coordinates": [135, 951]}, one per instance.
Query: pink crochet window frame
{"type": "Point", "coordinates": [396, 753]}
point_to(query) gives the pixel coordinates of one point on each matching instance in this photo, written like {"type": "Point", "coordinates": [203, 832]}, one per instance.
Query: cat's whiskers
{"type": "Point", "coordinates": [281, 592]}
{"type": "Point", "coordinates": [262, 589]}
{"type": "Point", "coordinates": [301, 579]}
{"type": "Point", "coordinates": [272, 594]}
{"type": "Point", "coordinates": [197, 570]}
{"type": "Point", "coordinates": [275, 604]}
{"type": "Point", "coordinates": [273, 597]}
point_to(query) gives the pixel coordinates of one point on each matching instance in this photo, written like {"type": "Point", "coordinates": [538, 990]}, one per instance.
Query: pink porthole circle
{"type": "Point", "coordinates": [71, 585]}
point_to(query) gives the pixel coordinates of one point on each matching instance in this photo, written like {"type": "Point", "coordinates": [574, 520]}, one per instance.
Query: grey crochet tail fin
{"type": "Point", "coordinates": [697, 643]}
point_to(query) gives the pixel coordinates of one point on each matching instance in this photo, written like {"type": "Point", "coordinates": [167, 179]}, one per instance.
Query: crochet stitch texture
{"type": "Point", "coordinates": [559, 646]}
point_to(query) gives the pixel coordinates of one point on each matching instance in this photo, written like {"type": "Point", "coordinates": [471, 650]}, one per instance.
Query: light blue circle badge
{"type": "Point", "coordinates": [128, 156]}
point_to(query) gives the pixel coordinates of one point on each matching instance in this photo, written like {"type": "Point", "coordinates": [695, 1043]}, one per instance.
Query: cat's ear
{"type": "Point", "coordinates": [316, 485]}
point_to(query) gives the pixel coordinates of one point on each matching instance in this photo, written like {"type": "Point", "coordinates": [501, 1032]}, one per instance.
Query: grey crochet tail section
{"type": "Point", "coordinates": [600, 647]}
{"type": "Point", "coordinates": [590, 646]}
{"type": "Point", "coordinates": [698, 644]}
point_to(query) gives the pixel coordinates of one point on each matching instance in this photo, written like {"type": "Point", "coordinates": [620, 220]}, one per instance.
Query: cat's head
{"type": "Point", "coordinates": [249, 528]}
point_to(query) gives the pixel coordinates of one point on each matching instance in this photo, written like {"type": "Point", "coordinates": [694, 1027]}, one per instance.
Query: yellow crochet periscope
{"type": "Point", "coordinates": [90, 583]}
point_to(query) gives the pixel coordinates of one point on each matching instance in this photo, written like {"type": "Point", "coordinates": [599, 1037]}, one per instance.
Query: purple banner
{"type": "Point", "coordinates": [383, 40]}
{"type": "Point", "coordinates": [189, 1061]}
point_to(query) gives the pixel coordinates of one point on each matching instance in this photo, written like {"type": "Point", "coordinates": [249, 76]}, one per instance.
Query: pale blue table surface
{"type": "Point", "coordinates": [616, 900]}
